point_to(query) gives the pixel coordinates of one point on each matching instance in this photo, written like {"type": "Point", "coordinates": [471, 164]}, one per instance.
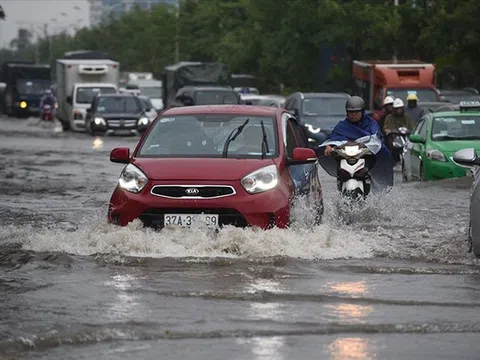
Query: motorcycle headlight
{"type": "Point", "coordinates": [261, 180]}
{"type": "Point", "coordinates": [100, 121]}
{"type": "Point", "coordinates": [312, 129]}
{"type": "Point", "coordinates": [436, 155]}
{"type": "Point", "coordinates": [143, 121]}
{"type": "Point", "coordinates": [132, 179]}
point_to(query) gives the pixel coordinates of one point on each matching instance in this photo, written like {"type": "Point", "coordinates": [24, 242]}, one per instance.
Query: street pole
{"type": "Point", "coordinates": [177, 35]}
{"type": "Point", "coordinates": [395, 3]}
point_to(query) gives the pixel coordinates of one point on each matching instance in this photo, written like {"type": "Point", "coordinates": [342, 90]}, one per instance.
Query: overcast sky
{"type": "Point", "coordinates": [36, 13]}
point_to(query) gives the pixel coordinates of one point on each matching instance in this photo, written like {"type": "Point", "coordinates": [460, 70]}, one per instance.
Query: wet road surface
{"type": "Point", "coordinates": [396, 283]}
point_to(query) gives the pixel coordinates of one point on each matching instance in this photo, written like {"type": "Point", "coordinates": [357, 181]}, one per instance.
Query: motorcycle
{"type": "Point", "coordinates": [398, 139]}
{"type": "Point", "coordinates": [47, 113]}
{"type": "Point", "coordinates": [358, 166]}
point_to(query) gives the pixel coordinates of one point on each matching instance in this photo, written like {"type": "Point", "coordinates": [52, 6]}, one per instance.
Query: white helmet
{"type": "Point", "coordinates": [388, 100]}
{"type": "Point", "coordinates": [398, 103]}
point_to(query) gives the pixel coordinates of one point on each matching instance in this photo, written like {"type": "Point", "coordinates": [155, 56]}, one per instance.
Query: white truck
{"type": "Point", "coordinates": [78, 81]}
{"type": "Point", "coordinates": [148, 86]}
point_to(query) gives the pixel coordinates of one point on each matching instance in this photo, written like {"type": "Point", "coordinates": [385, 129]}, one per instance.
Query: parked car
{"type": "Point", "coordinates": [468, 157]}
{"type": "Point", "coordinates": [436, 138]}
{"type": "Point", "coordinates": [272, 100]}
{"type": "Point", "coordinates": [116, 113]}
{"type": "Point", "coordinates": [218, 165]}
{"type": "Point", "coordinates": [317, 113]}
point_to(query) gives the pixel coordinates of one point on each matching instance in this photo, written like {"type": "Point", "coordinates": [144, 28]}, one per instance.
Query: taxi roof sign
{"type": "Point", "coordinates": [469, 105]}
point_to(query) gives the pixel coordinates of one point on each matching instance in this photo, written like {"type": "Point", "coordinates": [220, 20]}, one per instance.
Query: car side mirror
{"type": "Point", "coordinates": [120, 155]}
{"type": "Point", "coordinates": [416, 138]}
{"type": "Point", "coordinates": [69, 100]}
{"type": "Point", "coordinates": [302, 155]}
{"type": "Point", "coordinates": [466, 157]}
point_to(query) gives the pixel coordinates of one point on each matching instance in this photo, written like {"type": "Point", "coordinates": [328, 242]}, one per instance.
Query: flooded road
{"type": "Point", "coordinates": [396, 283]}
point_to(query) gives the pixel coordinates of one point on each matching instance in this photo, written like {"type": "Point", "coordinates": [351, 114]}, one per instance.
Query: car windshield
{"type": "Point", "coordinates": [215, 97]}
{"type": "Point", "coordinates": [456, 128]}
{"type": "Point", "coordinates": [324, 106]}
{"type": "Point", "coordinates": [153, 92]}
{"type": "Point", "coordinates": [205, 135]}
{"type": "Point", "coordinates": [85, 95]}
{"type": "Point", "coordinates": [29, 87]}
{"type": "Point", "coordinates": [422, 94]}
{"type": "Point", "coordinates": [120, 104]}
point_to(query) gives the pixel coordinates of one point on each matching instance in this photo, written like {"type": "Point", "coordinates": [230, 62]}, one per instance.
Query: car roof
{"type": "Point", "coordinates": [223, 109]}
{"type": "Point", "coordinates": [206, 88]}
{"type": "Point", "coordinates": [337, 95]}
{"type": "Point", "coordinates": [125, 95]}
{"type": "Point", "coordinates": [455, 113]}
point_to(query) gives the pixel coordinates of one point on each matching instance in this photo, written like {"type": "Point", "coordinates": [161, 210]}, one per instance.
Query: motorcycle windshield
{"type": "Point", "coordinates": [381, 173]}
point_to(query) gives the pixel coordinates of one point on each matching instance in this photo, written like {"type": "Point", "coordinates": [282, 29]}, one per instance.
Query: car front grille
{"type": "Point", "coordinates": [192, 191]}
{"type": "Point", "coordinates": [155, 217]}
{"type": "Point", "coordinates": [118, 123]}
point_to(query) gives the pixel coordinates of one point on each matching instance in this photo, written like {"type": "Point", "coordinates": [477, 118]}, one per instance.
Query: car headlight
{"type": "Point", "coordinates": [100, 121]}
{"type": "Point", "coordinates": [313, 130]}
{"type": "Point", "coordinates": [143, 121]}
{"type": "Point", "coordinates": [436, 155]}
{"type": "Point", "coordinates": [132, 179]}
{"type": "Point", "coordinates": [261, 180]}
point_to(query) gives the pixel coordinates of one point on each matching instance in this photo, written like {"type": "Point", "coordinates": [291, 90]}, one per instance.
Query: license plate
{"type": "Point", "coordinates": [188, 220]}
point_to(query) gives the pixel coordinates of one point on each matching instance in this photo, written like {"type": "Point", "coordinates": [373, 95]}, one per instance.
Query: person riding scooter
{"type": "Point", "coordinates": [397, 119]}
{"type": "Point", "coordinates": [413, 110]}
{"type": "Point", "coordinates": [48, 99]}
{"type": "Point", "coordinates": [387, 110]}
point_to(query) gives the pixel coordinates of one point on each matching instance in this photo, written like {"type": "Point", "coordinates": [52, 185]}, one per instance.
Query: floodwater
{"type": "Point", "coordinates": [396, 282]}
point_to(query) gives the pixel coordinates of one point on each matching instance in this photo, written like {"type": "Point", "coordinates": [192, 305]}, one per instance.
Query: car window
{"type": "Point", "coordinates": [419, 126]}
{"type": "Point", "coordinates": [291, 141]}
{"type": "Point", "coordinates": [85, 95]}
{"type": "Point", "coordinates": [323, 106]}
{"type": "Point", "coordinates": [299, 136]}
{"type": "Point", "coordinates": [423, 130]}
{"type": "Point", "coordinates": [205, 135]}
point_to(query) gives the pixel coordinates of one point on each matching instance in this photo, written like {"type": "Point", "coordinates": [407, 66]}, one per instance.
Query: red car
{"type": "Point", "coordinates": [217, 165]}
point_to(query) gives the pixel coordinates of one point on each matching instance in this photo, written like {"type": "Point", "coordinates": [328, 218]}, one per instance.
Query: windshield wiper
{"type": "Point", "coordinates": [232, 138]}
{"type": "Point", "coordinates": [265, 148]}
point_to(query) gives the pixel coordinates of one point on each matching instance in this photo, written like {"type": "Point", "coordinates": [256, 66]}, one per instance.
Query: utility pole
{"type": "Point", "coordinates": [395, 4]}
{"type": "Point", "coordinates": [177, 35]}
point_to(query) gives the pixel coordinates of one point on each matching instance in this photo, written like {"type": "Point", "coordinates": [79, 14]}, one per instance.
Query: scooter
{"type": "Point", "coordinates": [399, 143]}
{"type": "Point", "coordinates": [354, 160]}
{"type": "Point", "coordinates": [47, 114]}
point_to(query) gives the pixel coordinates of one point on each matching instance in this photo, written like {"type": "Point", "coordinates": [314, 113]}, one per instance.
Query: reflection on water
{"type": "Point", "coordinates": [126, 302]}
{"type": "Point", "coordinates": [267, 348]}
{"type": "Point", "coordinates": [350, 348]}
{"type": "Point", "coordinates": [346, 348]}
{"type": "Point", "coordinates": [97, 143]}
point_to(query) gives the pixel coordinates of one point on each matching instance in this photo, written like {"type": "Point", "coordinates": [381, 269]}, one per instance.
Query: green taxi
{"type": "Point", "coordinates": [438, 135]}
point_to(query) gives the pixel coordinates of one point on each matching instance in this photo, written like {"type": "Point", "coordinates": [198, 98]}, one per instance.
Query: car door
{"type": "Point", "coordinates": [416, 149]}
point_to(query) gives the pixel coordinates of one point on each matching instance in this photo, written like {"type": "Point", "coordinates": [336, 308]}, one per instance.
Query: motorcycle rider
{"type": "Point", "coordinates": [413, 110]}
{"type": "Point", "coordinates": [397, 119]}
{"type": "Point", "coordinates": [387, 110]}
{"type": "Point", "coordinates": [356, 124]}
{"type": "Point", "coordinates": [48, 99]}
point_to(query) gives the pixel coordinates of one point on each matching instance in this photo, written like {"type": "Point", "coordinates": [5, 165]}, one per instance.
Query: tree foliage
{"type": "Point", "coordinates": [283, 41]}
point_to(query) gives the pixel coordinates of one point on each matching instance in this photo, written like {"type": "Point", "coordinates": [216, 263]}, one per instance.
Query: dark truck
{"type": "Point", "coordinates": [197, 74]}
{"type": "Point", "coordinates": [26, 83]}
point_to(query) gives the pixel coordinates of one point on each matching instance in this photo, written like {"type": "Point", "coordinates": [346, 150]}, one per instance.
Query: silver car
{"type": "Point", "coordinates": [469, 158]}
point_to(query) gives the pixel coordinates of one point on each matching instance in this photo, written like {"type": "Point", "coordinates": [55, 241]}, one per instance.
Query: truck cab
{"type": "Point", "coordinates": [376, 79]}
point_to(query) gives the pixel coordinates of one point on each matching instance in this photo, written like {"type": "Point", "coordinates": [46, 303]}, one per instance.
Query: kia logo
{"type": "Point", "coordinates": [192, 191]}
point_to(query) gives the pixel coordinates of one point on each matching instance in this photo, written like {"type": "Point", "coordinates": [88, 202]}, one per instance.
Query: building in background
{"type": "Point", "coordinates": [101, 8]}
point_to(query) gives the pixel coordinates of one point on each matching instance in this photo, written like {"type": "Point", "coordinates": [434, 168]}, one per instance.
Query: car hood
{"type": "Point", "coordinates": [199, 168]}
{"type": "Point", "coordinates": [108, 116]}
{"type": "Point", "coordinates": [451, 146]}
